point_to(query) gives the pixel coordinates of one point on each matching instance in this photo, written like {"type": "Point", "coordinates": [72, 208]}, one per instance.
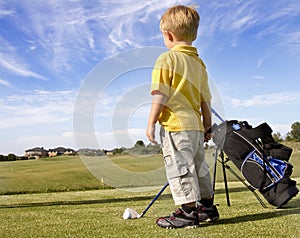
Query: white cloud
{"type": "Point", "coordinates": [292, 41]}
{"type": "Point", "coordinates": [36, 118]}
{"type": "Point", "coordinates": [54, 37]}
{"type": "Point", "coordinates": [121, 138]}
{"type": "Point", "coordinates": [5, 12]}
{"type": "Point", "coordinates": [261, 61]}
{"type": "Point", "coordinates": [70, 31]}
{"type": "Point", "coordinates": [231, 17]}
{"type": "Point", "coordinates": [20, 143]}
{"type": "Point", "coordinates": [37, 107]}
{"type": "Point", "coordinates": [59, 31]}
{"type": "Point", "coordinates": [267, 99]}
{"type": "Point", "coordinates": [260, 77]}
{"type": "Point", "coordinates": [243, 23]}
{"type": "Point", "coordinates": [48, 141]}
{"type": "Point", "coordinates": [12, 61]}
{"type": "Point", "coordinates": [18, 69]}
{"type": "Point", "coordinates": [283, 129]}
{"type": "Point", "coordinates": [254, 18]}
{"type": "Point", "coordinates": [124, 27]}
{"type": "Point", "coordinates": [5, 83]}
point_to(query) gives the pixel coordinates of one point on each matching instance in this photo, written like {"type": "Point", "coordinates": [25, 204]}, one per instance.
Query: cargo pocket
{"type": "Point", "coordinates": [174, 168]}
{"type": "Point", "coordinates": [181, 185]}
{"type": "Point", "coordinates": [178, 176]}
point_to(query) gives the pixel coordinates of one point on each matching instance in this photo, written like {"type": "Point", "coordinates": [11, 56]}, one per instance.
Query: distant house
{"type": "Point", "coordinates": [37, 152]}
{"type": "Point", "coordinates": [109, 152]}
{"type": "Point", "coordinates": [61, 151]}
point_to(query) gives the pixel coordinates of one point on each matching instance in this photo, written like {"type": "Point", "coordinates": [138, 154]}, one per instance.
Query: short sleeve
{"type": "Point", "coordinates": [162, 75]}
{"type": "Point", "coordinates": [205, 91]}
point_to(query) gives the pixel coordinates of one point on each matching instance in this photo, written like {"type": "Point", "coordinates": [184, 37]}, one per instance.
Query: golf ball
{"type": "Point", "coordinates": [127, 214]}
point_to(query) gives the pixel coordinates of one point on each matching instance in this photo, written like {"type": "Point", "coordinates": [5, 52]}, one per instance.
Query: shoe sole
{"type": "Point", "coordinates": [184, 227]}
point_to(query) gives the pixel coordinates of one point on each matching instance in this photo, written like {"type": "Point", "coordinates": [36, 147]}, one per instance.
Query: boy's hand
{"type": "Point", "coordinates": [207, 135]}
{"type": "Point", "coordinates": [158, 102]}
{"type": "Point", "coordinates": [210, 132]}
{"type": "Point", "coordinates": [150, 133]}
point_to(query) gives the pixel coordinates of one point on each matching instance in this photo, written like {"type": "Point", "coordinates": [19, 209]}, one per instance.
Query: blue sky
{"type": "Point", "coordinates": [48, 49]}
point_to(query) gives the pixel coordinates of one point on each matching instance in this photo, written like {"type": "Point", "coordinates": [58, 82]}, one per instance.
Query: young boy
{"type": "Point", "coordinates": [181, 104]}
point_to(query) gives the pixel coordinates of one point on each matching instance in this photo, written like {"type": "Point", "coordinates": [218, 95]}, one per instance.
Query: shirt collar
{"type": "Point", "coordinates": [188, 49]}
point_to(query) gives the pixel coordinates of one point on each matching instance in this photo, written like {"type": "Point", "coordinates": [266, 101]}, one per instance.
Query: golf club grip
{"type": "Point", "coordinates": [154, 199]}
{"type": "Point", "coordinates": [217, 115]}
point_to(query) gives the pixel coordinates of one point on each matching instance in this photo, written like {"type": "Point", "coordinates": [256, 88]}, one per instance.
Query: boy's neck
{"type": "Point", "coordinates": [171, 40]}
{"type": "Point", "coordinates": [182, 43]}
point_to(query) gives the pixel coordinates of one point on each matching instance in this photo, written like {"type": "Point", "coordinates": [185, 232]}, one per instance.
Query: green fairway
{"type": "Point", "coordinates": [98, 213]}
{"type": "Point", "coordinates": [71, 173]}
{"type": "Point", "coordinates": [60, 197]}
{"type": "Point", "coordinates": [45, 175]}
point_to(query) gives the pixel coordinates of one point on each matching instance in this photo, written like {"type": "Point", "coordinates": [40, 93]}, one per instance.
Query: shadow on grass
{"type": "Point", "coordinates": [110, 200]}
{"type": "Point", "coordinates": [293, 207]}
{"type": "Point", "coordinates": [288, 209]}
{"type": "Point", "coordinates": [84, 202]}
{"type": "Point", "coordinates": [258, 216]}
{"type": "Point", "coordinates": [232, 190]}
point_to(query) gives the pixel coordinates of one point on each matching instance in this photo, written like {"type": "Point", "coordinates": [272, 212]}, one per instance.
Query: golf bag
{"type": "Point", "coordinates": [262, 161]}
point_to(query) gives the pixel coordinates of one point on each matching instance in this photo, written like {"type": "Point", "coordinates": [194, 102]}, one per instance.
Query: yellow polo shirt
{"type": "Point", "coordinates": [181, 75]}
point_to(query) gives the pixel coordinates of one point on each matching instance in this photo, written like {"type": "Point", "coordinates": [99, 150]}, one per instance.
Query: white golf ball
{"type": "Point", "coordinates": [127, 214]}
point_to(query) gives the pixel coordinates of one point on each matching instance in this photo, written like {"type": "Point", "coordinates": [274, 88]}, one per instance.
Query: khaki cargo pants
{"type": "Point", "coordinates": [186, 168]}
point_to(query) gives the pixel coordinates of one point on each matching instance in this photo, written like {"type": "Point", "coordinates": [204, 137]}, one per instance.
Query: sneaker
{"type": "Point", "coordinates": [208, 214]}
{"type": "Point", "coordinates": [179, 219]}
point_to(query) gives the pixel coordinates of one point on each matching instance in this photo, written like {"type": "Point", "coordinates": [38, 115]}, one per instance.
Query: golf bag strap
{"type": "Point", "coordinates": [277, 150]}
{"type": "Point", "coordinates": [261, 131]}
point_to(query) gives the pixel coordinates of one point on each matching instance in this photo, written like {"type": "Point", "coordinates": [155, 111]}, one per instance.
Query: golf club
{"type": "Point", "coordinates": [132, 214]}
{"type": "Point", "coordinates": [217, 115]}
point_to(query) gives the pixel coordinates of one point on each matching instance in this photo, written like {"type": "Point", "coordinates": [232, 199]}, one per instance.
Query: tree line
{"type": "Point", "coordinates": [292, 136]}
{"type": "Point", "coordinates": [12, 157]}
{"type": "Point", "coordinates": [141, 149]}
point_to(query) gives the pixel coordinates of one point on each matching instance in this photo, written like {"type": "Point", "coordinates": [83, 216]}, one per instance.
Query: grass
{"type": "Point", "coordinates": [70, 173]}
{"type": "Point", "coordinates": [98, 213]}
{"type": "Point", "coordinates": [45, 198]}
{"type": "Point", "coordinates": [46, 175]}
{"type": "Point", "coordinates": [138, 164]}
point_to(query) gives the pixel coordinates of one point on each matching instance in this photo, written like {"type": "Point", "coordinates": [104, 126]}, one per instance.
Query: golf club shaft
{"type": "Point", "coordinates": [167, 184]}
{"type": "Point", "coordinates": [154, 199]}
{"type": "Point", "coordinates": [157, 195]}
{"type": "Point", "coordinates": [217, 115]}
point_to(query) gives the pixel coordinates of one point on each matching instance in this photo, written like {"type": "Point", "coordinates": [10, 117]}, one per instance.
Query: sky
{"type": "Point", "coordinates": [55, 53]}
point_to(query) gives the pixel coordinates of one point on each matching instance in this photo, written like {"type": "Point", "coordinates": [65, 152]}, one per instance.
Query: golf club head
{"type": "Point", "coordinates": [130, 214]}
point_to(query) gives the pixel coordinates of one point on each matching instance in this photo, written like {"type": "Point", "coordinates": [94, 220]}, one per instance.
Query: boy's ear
{"type": "Point", "coordinates": [170, 36]}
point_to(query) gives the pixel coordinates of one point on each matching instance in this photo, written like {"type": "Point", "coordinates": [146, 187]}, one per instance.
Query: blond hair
{"type": "Point", "coordinates": [182, 21]}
